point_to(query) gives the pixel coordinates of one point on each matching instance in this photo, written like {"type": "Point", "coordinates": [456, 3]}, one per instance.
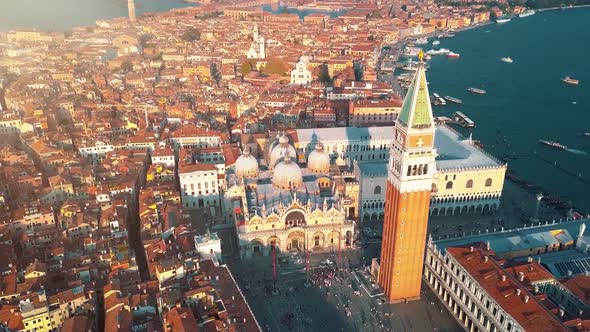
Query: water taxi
{"type": "Point", "coordinates": [502, 20]}
{"type": "Point", "coordinates": [453, 55]}
{"type": "Point", "coordinates": [570, 80]}
{"type": "Point", "coordinates": [553, 144]}
{"type": "Point", "coordinates": [477, 91]}
{"type": "Point", "coordinates": [527, 13]}
{"type": "Point", "coordinates": [507, 59]}
{"type": "Point", "coordinates": [453, 100]}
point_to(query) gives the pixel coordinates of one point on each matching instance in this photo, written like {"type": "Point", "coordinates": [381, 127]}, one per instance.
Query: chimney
{"type": "Point", "coordinates": [561, 312]}
{"type": "Point", "coordinates": [471, 249]}
{"type": "Point", "coordinates": [521, 276]}
{"type": "Point", "coordinates": [518, 291]}
{"type": "Point", "coordinates": [503, 278]}
{"type": "Point", "coordinates": [488, 245]}
{"type": "Point", "coordinates": [485, 259]}
{"type": "Point", "coordinates": [529, 259]}
{"type": "Point", "coordinates": [526, 299]}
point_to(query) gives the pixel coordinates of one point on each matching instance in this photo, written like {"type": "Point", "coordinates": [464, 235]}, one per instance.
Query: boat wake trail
{"type": "Point", "coordinates": [578, 151]}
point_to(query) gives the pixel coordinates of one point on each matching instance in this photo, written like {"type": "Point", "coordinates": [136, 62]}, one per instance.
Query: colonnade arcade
{"type": "Point", "coordinates": [298, 231]}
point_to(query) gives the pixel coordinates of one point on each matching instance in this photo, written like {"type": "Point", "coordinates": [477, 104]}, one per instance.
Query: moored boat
{"type": "Point", "coordinates": [436, 42]}
{"type": "Point", "coordinates": [438, 52]}
{"type": "Point", "coordinates": [438, 100]}
{"type": "Point", "coordinates": [553, 144]}
{"type": "Point", "coordinates": [507, 59]}
{"type": "Point", "coordinates": [453, 100]}
{"type": "Point", "coordinates": [587, 134]}
{"type": "Point", "coordinates": [503, 20]}
{"type": "Point", "coordinates": [477, 91]}
{"type": "Point", "coordinates": [410, 66]}
{"type": "Point", "coordinates": [527, 13]}
{"type": "Point", "coordinates": [421, 41]}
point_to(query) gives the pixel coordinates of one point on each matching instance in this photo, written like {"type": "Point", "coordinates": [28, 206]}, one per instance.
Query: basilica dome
{"type": "Point", "coordinates": [274, 142]}
{"type": "Point", "coordinates": [287, 174]}
{"type": "Point", "coordinates": [246, 165]}
{"type": "Point", "coordinates": [281, 150]}
{"type": "Point", "coordinates": [318, 160]}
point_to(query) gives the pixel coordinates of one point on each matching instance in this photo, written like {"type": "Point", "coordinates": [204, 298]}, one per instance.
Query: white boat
{"type": "Point", "coordinates": [527, 13]}
{"type": "Point", "coordinates": [507, 59]}
{"type": "Point", "coordinates": [570, 80]}
{"type": "Point", "coordinates": [436, 42]}
{"type": "Point", "coordinates": [421, 41]}
{"type": "Point", "coordinates": [453, 55]}
{"type": "Point", "coordinates": [477, 91]}
{"type": "Point", "coordinates": [438, 52]}
{"type": "Point", "coordinates": [502, 20]}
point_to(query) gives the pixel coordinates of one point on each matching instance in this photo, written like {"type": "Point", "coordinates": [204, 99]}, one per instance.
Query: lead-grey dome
{"type": "Point", "coordinates": [246, 165]}
{"type": "Point", "coordinates": [287, 174]}
{"type": "Point", "coordinates": [281, 150]}
{"type": "Point", "coordinates": [318, 160]}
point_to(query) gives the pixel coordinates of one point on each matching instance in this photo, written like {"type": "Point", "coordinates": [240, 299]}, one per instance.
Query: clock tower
{"type": "Point", "coordinates": [407, 202]}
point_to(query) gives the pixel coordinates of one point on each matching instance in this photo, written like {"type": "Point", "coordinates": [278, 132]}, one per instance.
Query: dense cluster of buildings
{"type": "Point", "coordinates": [126, 146]}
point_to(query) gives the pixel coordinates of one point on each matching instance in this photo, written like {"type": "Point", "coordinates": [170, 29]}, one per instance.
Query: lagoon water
{"type": "Point", "coordinates": [62, 15]}
{"type": "Point", "coordinates": [526, 100]}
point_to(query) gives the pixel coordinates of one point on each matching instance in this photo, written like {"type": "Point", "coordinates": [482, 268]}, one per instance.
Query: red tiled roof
{"type": "Point", "coordinates": [180, 320]}
{"type": "Point", "coordinates": [228, 290]}
{"type": "Point", "coordinates": [531, 315]}
{"type": "Point", "coordinates": [200, 167]}
{"type": "Point", "coordinates": [580, 286]}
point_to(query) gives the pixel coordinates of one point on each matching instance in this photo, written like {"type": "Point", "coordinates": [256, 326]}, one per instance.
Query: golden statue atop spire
{"type": "Point", "coordinates": [421, 56]}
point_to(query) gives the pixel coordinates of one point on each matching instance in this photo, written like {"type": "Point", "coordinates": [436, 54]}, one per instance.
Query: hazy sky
{"type": "Point", "coordinates": [61, 15]}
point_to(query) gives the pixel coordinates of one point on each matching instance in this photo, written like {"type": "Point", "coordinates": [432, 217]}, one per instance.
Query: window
{"type": "Point", "coordinates": [450, 185]}
{"type": "Point", "coordinates": [489, 182]}
{"type": "Point", "coordinates": [469, 184]}
{"type": "Point", "coordinates": [377, 190]}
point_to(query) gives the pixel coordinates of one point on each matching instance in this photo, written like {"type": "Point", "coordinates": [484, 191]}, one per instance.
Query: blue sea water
{"type": "Point", "coordinates": [62, 15]}
{"type": "Point", "coordinates": [526, 100]}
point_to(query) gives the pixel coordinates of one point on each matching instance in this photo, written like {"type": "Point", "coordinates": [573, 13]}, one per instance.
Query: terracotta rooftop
{"type": "Point", "coordinates": [502, 287]}
{"type": "Point", "coordinates": [580, 286]}
{"type": "Point", "coordinates": [235, 304]}
{"type": "Point", "coordinates": [180, 320]}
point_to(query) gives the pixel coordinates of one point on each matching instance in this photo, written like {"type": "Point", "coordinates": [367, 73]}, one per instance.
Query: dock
{"type": "Point", "coordinates": [462, 120]}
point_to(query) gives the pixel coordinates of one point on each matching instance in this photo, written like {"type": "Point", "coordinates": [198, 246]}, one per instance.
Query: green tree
{"type": "Point", "coordinates": [126, 66]}
{"type": "Point", "coordinates": [376, 14]}
{"type": "Point", "coordinates": [144, 39]}
{"type": "Point", "coordinates": [493, 15]}
{"type": "Point", "coordinates": [246, 68]}
{"type": "Point", "coordinates": [324, 75]}
{"type": "Point", "coordinates": [191, 34]}
{"type": "Point", "coordinates": [274, 66]}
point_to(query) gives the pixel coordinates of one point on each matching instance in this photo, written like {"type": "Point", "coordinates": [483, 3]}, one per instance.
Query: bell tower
{"type": "Point", "coordinates": [131, 10]}
{"type": "Point", "coordinates": [409, 184]}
